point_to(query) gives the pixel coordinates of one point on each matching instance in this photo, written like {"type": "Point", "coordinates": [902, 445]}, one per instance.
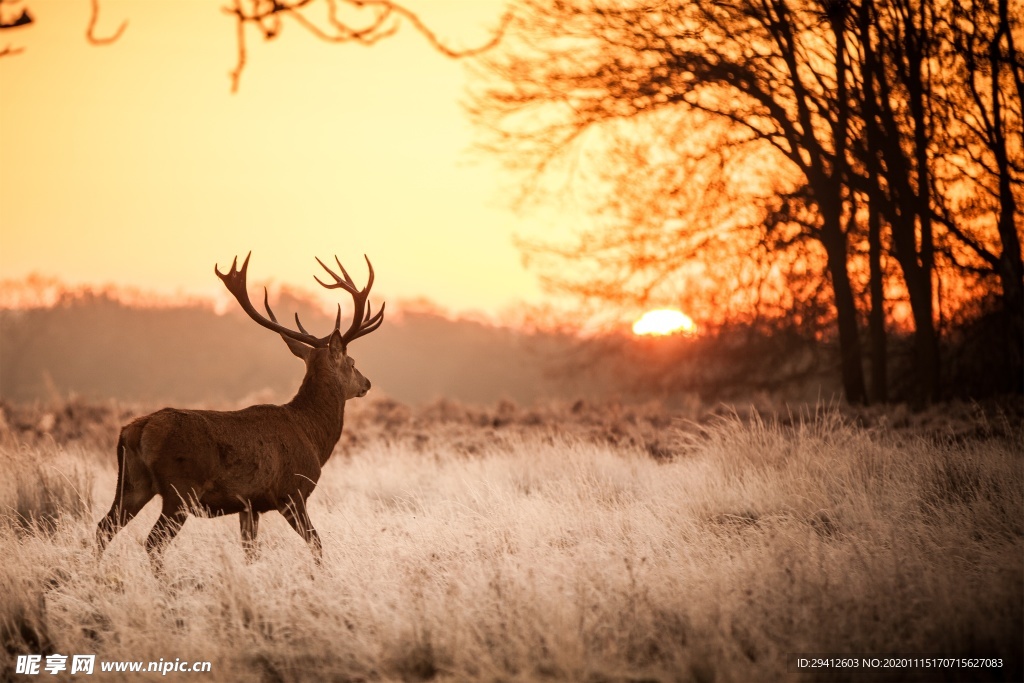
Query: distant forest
{"type": "Point", "coordinates": [102, 344]}
{"type": "Point", "coordinates": [93, 345]}
{"type": "Point", "coordinates": [105, 344]}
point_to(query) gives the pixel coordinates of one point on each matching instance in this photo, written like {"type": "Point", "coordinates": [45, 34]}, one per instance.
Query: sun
{"type": "Point", "coordinates": [663, 322]}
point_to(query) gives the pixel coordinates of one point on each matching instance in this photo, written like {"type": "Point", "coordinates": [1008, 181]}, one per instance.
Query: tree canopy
{"type": "Point", "coordinates": [747, 157]}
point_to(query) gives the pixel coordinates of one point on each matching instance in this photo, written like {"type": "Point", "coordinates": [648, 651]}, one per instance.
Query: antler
{"type": "Point", "coordinates": [362, 324]}
{"type": "Point", "coordinates": [362, 321]}
{"type": "Point", "coordinates": [234, 280]}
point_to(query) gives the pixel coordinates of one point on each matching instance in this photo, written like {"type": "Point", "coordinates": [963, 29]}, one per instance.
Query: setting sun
{"type": "Point", "coordinates": [663, 322]}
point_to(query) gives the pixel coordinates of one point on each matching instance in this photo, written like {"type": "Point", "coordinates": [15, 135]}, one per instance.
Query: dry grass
{"type": "Point", "coordinates": [469, 550]}
{"type": "Point", "coordinates": [42, 486]}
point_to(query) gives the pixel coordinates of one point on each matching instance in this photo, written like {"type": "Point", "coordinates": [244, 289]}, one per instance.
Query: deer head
{"type": "Point", "coordinates": [323, 356]}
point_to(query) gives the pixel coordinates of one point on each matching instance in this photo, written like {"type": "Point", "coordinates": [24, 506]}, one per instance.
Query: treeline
{"type": "Point", "coordinates": [91, 344]}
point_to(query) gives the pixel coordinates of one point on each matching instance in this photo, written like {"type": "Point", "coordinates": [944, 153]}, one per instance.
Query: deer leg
{"type": "Point", "coordinates": [172, 516]}
{"type": "Point", "coordinates": [297, 516]}
{"type": "Point", "coordinates": [121, 512]}
{"type": "Point", "coordinates": [249, 521]}
{"type": "Point", "coordinates": [134, 490]}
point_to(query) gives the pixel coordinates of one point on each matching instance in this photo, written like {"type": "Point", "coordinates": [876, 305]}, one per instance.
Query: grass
{"type": "Point", "coordinates": [41, 487]}
{"type": "Point", "coordinates": [547, 553]}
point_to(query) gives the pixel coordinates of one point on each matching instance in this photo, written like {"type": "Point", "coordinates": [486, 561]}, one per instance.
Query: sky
{"type": "Point", "coordinates": [133, 163]}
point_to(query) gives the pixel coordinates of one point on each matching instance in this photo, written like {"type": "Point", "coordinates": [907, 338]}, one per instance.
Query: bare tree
{"type": "Point", "coordinates": [569, 68]}
{"type": "Point", "coordinates": [250, 461]}
{"type": "Point", "coordinates": [856, 109]}
{"type": "Point", "coordinates": [979, 178]}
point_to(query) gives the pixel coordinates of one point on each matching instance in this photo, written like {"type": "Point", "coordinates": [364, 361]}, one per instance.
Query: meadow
{"type": "Point", "coordinates": [571, 542]}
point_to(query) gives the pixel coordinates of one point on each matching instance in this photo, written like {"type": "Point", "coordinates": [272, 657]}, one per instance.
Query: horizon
{"type": "Point", "coordinates": [41, 291]}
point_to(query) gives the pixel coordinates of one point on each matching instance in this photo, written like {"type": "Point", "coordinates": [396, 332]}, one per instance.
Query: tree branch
{"type": "Point", "coordinates": [267, 16]}
{"type": "Point", "coordinates": [90, 32]}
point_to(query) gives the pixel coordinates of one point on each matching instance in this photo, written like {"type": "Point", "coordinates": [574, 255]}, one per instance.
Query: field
{"type": "Point", "coordinates": [562, 543]}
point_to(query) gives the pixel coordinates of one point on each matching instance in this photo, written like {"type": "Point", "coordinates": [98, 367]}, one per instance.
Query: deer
{"type": "Point", "coordinates": [249, 461]}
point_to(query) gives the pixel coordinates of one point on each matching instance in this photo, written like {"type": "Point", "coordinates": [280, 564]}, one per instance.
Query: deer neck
{"type": "Point", "coordinates": [320, 407]}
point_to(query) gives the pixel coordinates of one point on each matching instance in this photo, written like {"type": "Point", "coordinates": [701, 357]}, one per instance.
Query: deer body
{"type": "Point", "coordinates": [249, 461]}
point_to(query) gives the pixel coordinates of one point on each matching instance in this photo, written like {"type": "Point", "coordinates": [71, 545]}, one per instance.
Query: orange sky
{"type": "Point", "coordinates": [134, 164]}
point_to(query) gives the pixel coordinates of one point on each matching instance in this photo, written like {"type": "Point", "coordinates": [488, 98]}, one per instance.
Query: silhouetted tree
{"type": "Point", "coordinates": [985, 149]}
{"type": "Point", "coordinates": [849, 104]}
{"type": "Point", "coordinates": [941, 154]}
{"type": "Point", "coordinates": [578, 66]}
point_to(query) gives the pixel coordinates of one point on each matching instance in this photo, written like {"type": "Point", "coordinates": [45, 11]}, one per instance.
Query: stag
{"type": "Point", "coordinates": [249, 461]}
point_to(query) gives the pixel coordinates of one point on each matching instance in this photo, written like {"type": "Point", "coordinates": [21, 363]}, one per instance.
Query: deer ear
{"type": "Point", "coordinates": [336, 345]}
{"type": "Point", "coordinates": [297, 348]}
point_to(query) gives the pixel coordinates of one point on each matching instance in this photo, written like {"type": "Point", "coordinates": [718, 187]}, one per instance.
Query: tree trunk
{"type": "Point", "coordinates": [1011, 266]}
{"type": "Point", "coordinates": [833, 236]}
{"type": "Point", "coordinates": [919, 287]}
{"type": "Point", "coordinates": [876, 318]}
{"type": "Point", "coordinates": [852, 371]}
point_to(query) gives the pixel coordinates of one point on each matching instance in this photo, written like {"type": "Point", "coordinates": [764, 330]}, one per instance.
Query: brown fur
{"type": "Point", "coordinates": [249, 461]}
